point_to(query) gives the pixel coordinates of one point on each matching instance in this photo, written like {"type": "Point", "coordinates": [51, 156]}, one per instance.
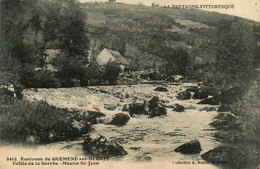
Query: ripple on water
{"type": "Point", "coordinates": [159, 136]}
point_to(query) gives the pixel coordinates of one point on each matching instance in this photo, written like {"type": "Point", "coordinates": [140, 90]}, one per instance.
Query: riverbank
{"type": "Point", "coordinates": [238, 128]}
{"type": "Point", "coordinates": [142, 137]}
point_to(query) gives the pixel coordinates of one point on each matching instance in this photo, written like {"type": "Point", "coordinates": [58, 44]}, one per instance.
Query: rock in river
{"type": "Point", "coordinates": [100, 146]}
{"type": "Point", "coordinates": [157, 111]}
{"type": "Point", "coordinates": [137, 108]}
{"type": "Point", "coordinates": [120, 119]}
{"type": "Point", "coordinates": [186, 95]}
{"type": "Point", "coordinates": [156, 108]}
{"type": "Point", "coordinates": [192, 147]}
{"type": "Point", "coordinates": [178, 108]}
{"type": "Point", "coordinates": [89, 116]}
{"type": "Point", "coordinates": [161, 89]}
{"type": "Point", "coordinates": [200, 94]}
{"type": "Point", "coordinates": [154, 102]}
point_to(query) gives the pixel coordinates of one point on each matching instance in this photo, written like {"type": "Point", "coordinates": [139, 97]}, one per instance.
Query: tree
{"type": "Point", "coordinates": [65, 23]}
{"type": "Point", "coordinates": [235, 56]}
{"type": "Point", "coordinates": [177, 61]}
{"type": "Point", "coordinates": [112, 71]}
{"type": "Point", "coordinates": [15, 21]}
{"type": "Point", "coordinates": [27, 29]}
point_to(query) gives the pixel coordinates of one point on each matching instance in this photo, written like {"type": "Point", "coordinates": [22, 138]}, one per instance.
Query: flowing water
{"type": "Point", "coordinates": [155, 137]}
{"type": "Point", "coordinates": [159, 136]}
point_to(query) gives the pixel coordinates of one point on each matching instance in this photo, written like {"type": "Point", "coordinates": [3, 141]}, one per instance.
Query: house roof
{"type": "Point", "coordinates": [118, 57]}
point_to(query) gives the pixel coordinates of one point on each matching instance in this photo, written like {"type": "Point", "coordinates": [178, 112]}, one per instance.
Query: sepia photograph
{"type": "Point", "coordinates": [171, 84]}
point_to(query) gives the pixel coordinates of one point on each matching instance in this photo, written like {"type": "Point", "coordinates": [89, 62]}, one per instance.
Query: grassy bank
{"type": "Point", "coordinates": [241, 130]}
{"type": "Point", "coordinates": [34, 122]}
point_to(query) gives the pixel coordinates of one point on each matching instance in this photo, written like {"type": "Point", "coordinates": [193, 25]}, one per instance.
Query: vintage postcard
{"type": "Point", "coordinates": [171, 84]}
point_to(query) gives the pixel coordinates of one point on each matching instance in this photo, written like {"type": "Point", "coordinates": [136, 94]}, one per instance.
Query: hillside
{"type": "Point", "coordinates": [154, 32]}
{"type": "Point", "coordinates": [175, 41]}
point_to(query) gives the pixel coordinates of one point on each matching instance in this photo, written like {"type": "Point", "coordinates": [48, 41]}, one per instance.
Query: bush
{"type": "Point", "coordinates": [43, 122]}
{"type": "Point", "coordinates": [38, 79]}
{"type": "Point", "coordinates": [6, 96]}
{"type": "Point", "coordinates": [66, 82]}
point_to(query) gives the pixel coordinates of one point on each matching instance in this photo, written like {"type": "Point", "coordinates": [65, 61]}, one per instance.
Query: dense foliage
{"type": "Point", "coordinates": [112, 71]}
{"type": "Point", "coordinates": [22, 121]}
{"type": "Point", "coordinates": [30, 28]}
{"type": "Point", "coordinates": [237, 56]}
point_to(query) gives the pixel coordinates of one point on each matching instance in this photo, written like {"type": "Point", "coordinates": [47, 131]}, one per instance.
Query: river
{"type": "Point", "coordinates": [155, 137]}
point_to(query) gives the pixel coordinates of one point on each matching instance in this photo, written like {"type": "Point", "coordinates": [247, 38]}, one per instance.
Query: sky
{"type": "Point", "coordinates": [249, 9]}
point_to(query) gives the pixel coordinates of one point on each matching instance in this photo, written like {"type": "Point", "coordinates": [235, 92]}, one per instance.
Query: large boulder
{"type": "Point", "coordinates": [210, 101]}
{"type": "Point", "coordinates": [156, 108]}
{"type": "Point", "coordinates": [137, 108]}
{"type": "Point", "coordinates": [100, 146]}
{"type": "Point", "coordinates": [120, 119]}
{"type": "Point", "coordinates": [186, 95]}
{"type": "Point", "coordinates": [161, 89]}
{"type": "Point", "coordinates": [200, 94]}
{"type": "Point", "coordinates": [178, 108]}
{"type": "Point", "coordinates": [192, 147]}
{"type": "Point", "coordinates": [154, 102]}
{"type": "Point", "coordinates": [157, 111]}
